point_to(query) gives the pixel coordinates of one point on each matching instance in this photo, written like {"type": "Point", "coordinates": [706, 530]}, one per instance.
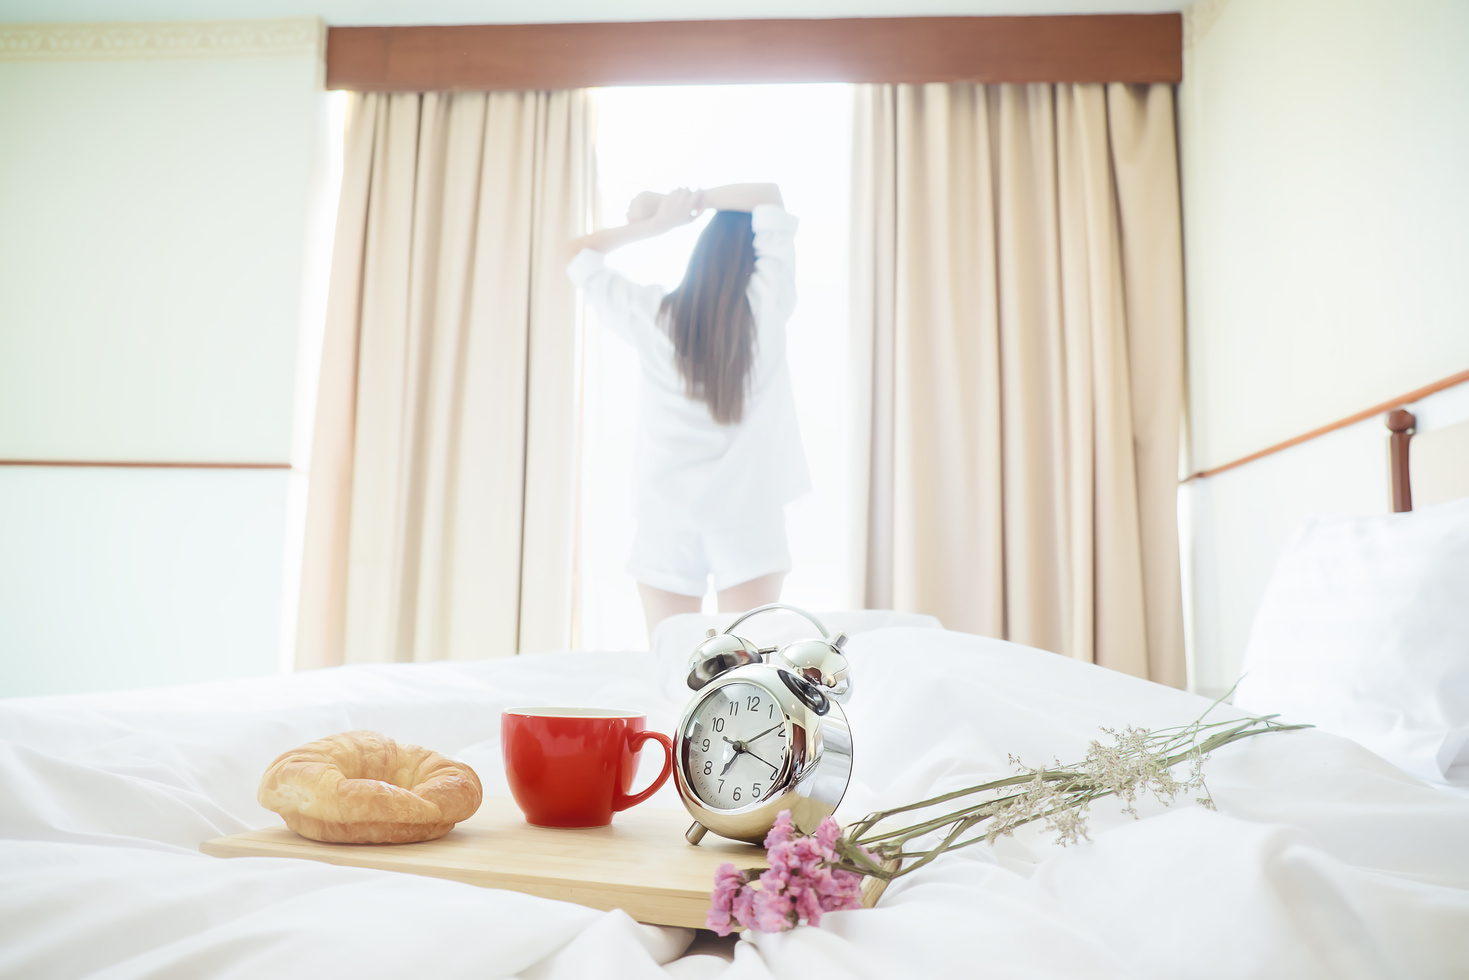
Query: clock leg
{"type": "Point", "coordinates": [696, 833]}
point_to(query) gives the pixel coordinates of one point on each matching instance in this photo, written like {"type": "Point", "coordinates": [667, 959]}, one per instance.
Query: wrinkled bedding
{"type": "Point", "coordinates": [1322, 860]}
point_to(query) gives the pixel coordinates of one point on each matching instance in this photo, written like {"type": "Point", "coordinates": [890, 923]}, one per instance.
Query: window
{"type": "Point", "coordinates": [657, 138]}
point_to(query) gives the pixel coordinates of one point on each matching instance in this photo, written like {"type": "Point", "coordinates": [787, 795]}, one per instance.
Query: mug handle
{"type": "Point", "coordinates": [623, 800]}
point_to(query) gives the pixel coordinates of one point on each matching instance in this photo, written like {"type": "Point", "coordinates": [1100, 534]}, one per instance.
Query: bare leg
{"type": "Point", "coordinates": [748, 595]}
{"type": "Point", "coordinates": [659, 604]}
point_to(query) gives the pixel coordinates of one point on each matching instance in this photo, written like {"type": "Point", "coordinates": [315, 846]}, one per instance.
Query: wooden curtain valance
{"type": "Point", "coordinates": [1092, 48]}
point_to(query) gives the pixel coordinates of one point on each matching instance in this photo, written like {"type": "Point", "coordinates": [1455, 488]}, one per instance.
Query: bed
{"type": "Point", "coordinates": [1323, 859]}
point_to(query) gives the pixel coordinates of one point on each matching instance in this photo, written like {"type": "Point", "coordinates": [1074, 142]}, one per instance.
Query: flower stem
{"type": "Point", "coordinates": [1161, 751]}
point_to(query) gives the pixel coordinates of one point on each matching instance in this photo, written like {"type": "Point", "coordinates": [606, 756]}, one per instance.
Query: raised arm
{"type": "Point", "coordinates": [651, 215]}
{"type": "Point", "coordinates": [739, 197]}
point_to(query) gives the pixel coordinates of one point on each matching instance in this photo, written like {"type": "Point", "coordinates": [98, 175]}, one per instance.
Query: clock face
{"type": "Point", "coordinates": [738, 742]}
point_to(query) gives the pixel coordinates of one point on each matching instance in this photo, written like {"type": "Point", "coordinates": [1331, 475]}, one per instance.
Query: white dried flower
{"type": "Point", "coordinates": [1138, 761]}
{"type": "Point", "coordinates": [1069, 825]}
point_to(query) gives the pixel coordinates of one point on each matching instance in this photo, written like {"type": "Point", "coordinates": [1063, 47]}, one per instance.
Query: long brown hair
{"type": "Point", "coordinates": [709, 318]}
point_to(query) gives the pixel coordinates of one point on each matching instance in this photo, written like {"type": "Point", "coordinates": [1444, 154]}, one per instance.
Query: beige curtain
{"type": "Point", "coordinates": [1018, 307]}
{"type": "Point", "coordinates": [441, 506]}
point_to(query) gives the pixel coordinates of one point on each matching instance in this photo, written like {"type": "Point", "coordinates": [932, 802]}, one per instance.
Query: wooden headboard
{"type": "Point", "coordinates": [1437, 465]}
{"type": "Point", "coordinates": [1440, 459]}
{"type": "Point", "coordinates": [1400, 423]}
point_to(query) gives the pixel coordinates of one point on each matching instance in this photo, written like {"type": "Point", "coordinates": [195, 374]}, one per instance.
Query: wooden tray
{"type": "Point", "coordinates": [640, 864]}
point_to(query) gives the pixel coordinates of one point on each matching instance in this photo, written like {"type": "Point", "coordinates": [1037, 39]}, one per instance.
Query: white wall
{"type": "Point", "coordinates": [156, 223]}
{"type": "Point", "coordinates": [128, 578]}
{"type": "Point", "coordinates": [1324, 147]}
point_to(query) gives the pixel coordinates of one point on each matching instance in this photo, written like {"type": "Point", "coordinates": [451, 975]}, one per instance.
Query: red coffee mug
{"type": "Point", "coordinates": [573, 767]}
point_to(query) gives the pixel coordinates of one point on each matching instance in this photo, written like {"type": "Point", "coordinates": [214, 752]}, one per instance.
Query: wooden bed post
{"type": "Point", "coordinates": [1400, 421]}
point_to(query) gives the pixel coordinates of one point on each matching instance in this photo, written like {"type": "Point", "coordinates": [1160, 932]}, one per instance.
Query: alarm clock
{"type": "Point", "coordinates": [764, 732]}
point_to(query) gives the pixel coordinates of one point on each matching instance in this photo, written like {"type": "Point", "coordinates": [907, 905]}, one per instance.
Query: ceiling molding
{"type": "Point", "coordinates": [368, 13]}
{"type": "Point", "coordinates": [173, 39]}
{"type": "Point", "coordinates": [1198, 19]}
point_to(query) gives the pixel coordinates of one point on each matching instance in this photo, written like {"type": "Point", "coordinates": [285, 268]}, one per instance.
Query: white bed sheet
{"type": "Point", "coordinates": [1322, 860]}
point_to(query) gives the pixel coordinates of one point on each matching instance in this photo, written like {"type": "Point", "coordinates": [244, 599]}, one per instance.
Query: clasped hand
{"type": "Point", "coordinates": [678, 207]}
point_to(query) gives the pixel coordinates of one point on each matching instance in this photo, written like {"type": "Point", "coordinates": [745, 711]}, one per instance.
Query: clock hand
{"type": "Point", "coordinates": [758, 759]}
{"type": "Point", "coordinates": [739, 747]}
{"type": "Point", "coordinates": [766, 732]}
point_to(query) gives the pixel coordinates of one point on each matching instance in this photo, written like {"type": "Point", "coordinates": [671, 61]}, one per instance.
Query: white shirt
{"type": "Point", "coordinates": [692, 471]}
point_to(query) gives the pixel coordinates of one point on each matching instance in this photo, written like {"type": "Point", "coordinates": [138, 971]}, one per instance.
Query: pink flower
{"type": "Point", "coordinates": [799, 886]}
{"type": "Point", "coordinates": [744, 906]}
{"type": "Point", "coordinates": [827, 833]}
{"type": "Point", "coordinates": [728, 881]}
{"type": "Point", "coordinates": [772, 912]}
{"type": "Point", "coordinates": [782, 831]}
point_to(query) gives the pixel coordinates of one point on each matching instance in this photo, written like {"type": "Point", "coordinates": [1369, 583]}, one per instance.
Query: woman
{"type": "Point", "coordinates": [719, 451]}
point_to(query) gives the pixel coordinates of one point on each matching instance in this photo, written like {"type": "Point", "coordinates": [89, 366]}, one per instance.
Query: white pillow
{"type": "Point", "coordinates": [675, 638]}
{"type": "Point", "coordinates": [1364, 631]}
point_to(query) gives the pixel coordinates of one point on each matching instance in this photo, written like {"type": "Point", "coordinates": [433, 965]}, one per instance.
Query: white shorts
{"type": "Point", "coordinates": [679, 560]}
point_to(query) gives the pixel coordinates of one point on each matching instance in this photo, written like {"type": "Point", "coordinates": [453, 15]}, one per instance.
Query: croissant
{"type": "Point", "coordinates": [364, 788]}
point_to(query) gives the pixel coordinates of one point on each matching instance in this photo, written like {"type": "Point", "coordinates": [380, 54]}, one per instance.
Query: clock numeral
{"type": "Point", "coordinates": [719, 724]}
{"type": "Point", "coordinates": [721, 786]}
{"type": "Point", "coordinates": [706, 745]}
{"type": "Point", "coordinates": [752, 703]}
{"type": "Point", "coordinates": [755, 789]}
{"type": "Point", "coordinates": [772, 711]}
{"type": "Point", "coordinates": [737, 794]}
{"type": "Point", "coordinates": [708, 767]}
{"type": "Point", "coordinates": [734, 708]}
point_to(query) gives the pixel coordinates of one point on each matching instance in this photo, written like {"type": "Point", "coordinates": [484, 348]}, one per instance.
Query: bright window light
{"type": "Point", "coordinates": [797, 136]}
